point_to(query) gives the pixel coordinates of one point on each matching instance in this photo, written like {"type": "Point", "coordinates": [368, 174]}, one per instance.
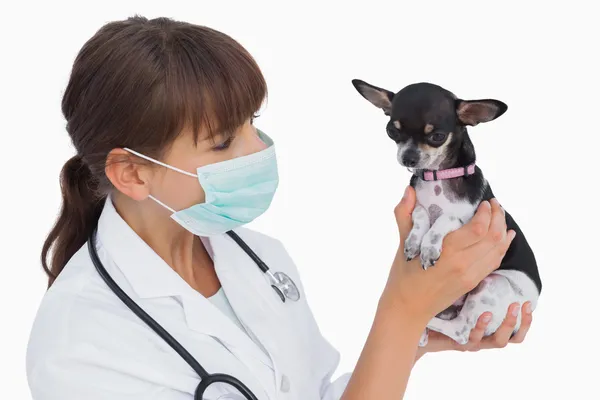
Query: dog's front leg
{"type": "Point", "coordinates": [420, 219]}
{"type": "Point", "coordinates": [431, 246]}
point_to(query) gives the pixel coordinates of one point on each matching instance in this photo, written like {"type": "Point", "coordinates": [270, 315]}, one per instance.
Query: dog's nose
{"type": "Point", "coordinates": [410, 158]}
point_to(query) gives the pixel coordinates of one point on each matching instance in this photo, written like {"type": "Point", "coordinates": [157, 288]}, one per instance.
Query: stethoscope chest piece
{"type": "Point", "coordinates": [286, 285]}
{"type": "Point", "coordinates": [283, 285]}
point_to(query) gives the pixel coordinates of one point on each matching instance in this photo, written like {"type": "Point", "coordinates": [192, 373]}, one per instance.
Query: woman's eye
{"type": "Point", "coordinates": [225, 145]}
{"type": "Point", "coordinates": [437, 137]}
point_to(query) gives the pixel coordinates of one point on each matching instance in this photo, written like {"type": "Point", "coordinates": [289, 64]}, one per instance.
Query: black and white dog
{"type": "Point", "coordinates": [428, 124]}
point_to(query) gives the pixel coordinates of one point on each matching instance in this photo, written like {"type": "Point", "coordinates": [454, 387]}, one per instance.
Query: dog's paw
{"type": "Point", "coordinates": [411, 246]}
{"type": "Point", "coordinates": [462, 336]}
{"type": "Point", "coordinates": [429, 256]}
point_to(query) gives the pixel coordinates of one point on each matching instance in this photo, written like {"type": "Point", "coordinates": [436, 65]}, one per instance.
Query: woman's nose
{"type": "Point", "coordinates": [251, 144]}
{"type": "Point", "coordinates": [257, 143]}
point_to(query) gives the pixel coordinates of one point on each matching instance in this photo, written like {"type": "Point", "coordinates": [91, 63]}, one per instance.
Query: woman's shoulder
{"type": "Point", "coordinates": [74, 315]}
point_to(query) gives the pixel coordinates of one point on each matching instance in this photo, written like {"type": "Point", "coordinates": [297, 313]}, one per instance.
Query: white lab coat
{"type": "Point", "coordinates": [86, 344]}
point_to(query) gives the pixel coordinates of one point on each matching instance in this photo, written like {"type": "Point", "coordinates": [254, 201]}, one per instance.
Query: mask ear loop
{"type": "Point", "coordinates": [162, 204]}
{"type": "Point", "coordinates": [160, 163]}
{"type": "Point", "coordinates": [164, 165]}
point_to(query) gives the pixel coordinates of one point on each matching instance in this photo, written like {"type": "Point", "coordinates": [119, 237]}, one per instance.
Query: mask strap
{"type": "Point", "coordinates": [164, 165]}
{"type": "Point", "coordinates": [162, 204]}
{"type": "Point", "coordinates": [160, 163]}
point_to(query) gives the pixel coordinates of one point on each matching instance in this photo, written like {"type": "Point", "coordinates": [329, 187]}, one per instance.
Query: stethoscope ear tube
{"type": "Point", "coordinates": [206, 379]}
{"type": "Point", "coordinates": [141, 313]}
{"type": "Point", "coordinates": [223, 378]}
{"type": "Point", "coordinates": [278, 279]}
{"type": "Point", "coordinates": [261, 264]}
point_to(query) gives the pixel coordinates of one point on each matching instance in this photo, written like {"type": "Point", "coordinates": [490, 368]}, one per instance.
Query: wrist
{"type": "Point", "coordinates": [393, 308]}
{"type": "Point", "coordinates": [402, 310]}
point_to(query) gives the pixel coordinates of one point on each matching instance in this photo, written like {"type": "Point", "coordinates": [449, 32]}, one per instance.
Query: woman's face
{"type": "Point", "coordinates": [180, 191]}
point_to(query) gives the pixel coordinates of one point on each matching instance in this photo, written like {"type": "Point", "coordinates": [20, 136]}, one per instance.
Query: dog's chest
{"type": "Point", "coordinates": [438, 198]}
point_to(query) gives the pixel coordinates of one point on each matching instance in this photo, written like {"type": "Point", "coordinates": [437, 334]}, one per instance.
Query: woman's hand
{"type": "Point", "coordinates": [500, 339]}
{"type": "Point", "coordinates": [412, 296]}
{"type": "Point", "coordinates": [469, 254]}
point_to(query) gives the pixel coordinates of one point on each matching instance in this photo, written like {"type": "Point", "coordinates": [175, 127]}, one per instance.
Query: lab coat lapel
{"type": "Point", "coordinates": [150, 278]}
{"type": "Point", "coordinates": [255, 303]}
{"type": "Point", "coordinates": [203, 317]}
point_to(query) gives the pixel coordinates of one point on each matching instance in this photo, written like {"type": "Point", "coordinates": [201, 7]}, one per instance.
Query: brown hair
{"type": "Point", "coordinates": [136, 83]}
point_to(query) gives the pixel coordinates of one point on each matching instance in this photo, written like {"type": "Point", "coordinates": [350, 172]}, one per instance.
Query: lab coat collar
{"type": "Point", "coordinates": [250, 293]}
{"type": "Point", "coordinates": [147, 273]}
{"type": "Point", "coordinates": [151, 277]}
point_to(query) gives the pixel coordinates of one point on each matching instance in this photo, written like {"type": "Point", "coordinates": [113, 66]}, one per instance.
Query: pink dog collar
{"type": "Point", "coordinates": [435, 175]}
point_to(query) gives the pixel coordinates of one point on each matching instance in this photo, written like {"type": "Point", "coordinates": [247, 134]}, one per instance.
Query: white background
{"type": "Point", "coordinates": [340, 181]}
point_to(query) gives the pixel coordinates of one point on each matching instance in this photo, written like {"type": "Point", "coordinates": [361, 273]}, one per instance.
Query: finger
{"type": "Point", "coordinates": [494, 238]}
{"type": "Point", "coordinates": [526, 318]}
{"type": "Point", "coordinates": [502, 335]}
{"type": "Point", "coordinates": [439, 342]}
{"type": "Point", "coordinates": [497, 228]}
{"type": "Point", "coordinates": [403, 212]}
{"type": "Point", "coordinates": [473, 231]}
{"type": "Point", "coordinates": [485, 264]}
{"type": "Point", "coordinates": [476, 334]}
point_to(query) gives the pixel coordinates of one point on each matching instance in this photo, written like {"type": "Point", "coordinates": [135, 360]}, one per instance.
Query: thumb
{"type": "Point", "coordinates": [403, 212]}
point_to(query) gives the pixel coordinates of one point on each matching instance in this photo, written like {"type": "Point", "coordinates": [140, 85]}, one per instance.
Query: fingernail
{"type": "Point", "coordinates": [487, 318]}
{"type": "Point", "coordinates": [515, 311]}
{"type": "Point", "coordinates": [528, 308]}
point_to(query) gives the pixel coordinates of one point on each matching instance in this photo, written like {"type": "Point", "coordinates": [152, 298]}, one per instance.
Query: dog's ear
{"type": "Point", "coordinates": [472, 112]}
{"type": "Point", "coordinates": [379, 97]}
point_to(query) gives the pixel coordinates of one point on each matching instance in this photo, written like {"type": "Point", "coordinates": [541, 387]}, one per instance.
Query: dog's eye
{"type": "Point", "coordinates": [437, 138]}
{"type": "Point", "coordinates": [396, 134]}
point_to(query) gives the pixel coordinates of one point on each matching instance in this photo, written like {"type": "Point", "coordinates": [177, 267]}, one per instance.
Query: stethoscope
{"type": "Point", "coordinates": [280, 282]}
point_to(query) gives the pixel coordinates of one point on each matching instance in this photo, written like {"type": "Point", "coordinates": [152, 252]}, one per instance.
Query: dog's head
{"type": "Point", "coordinates": [427, 122]}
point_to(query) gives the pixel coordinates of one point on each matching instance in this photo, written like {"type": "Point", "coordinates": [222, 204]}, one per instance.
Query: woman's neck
{"type": "Point", "coordinates": [183, 251]}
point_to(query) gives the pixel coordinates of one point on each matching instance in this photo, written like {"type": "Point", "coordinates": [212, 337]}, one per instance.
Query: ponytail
{"type": "Point", "coordinates": [79, 214]}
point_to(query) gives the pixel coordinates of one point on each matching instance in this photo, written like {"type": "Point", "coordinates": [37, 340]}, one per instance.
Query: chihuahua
{"type": "Point", "coordinates": [429, 126]}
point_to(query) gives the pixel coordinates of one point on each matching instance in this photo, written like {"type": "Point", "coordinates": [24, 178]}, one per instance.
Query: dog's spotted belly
{"type": "Point", "coordinates": [437, 213]}
{"type": "Point", "coordinates": [437, 201]}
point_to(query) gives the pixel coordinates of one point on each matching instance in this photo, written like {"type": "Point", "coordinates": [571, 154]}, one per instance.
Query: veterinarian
{"type": "Point", "coordinates": [157, 291]}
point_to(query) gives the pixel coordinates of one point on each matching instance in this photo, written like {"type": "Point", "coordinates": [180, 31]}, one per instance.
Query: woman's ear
{"type": "Point", "coordinates": [472, 112]}
{"type": "Point", "coordinates": [128, 174]}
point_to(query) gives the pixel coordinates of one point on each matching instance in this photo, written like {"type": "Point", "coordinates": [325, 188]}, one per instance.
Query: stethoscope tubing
{"type": "Point", "coordinates": [261, 264]}
{"type": "Point", "coordinates": [206, 379]}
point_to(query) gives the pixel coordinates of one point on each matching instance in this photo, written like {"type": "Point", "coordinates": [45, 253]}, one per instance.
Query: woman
{"type": "Point", "coordinates": [168, 160]}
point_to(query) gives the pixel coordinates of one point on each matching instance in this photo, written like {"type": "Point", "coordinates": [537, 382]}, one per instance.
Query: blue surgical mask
{"type": "Point", "coordinates": [237, 191]}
